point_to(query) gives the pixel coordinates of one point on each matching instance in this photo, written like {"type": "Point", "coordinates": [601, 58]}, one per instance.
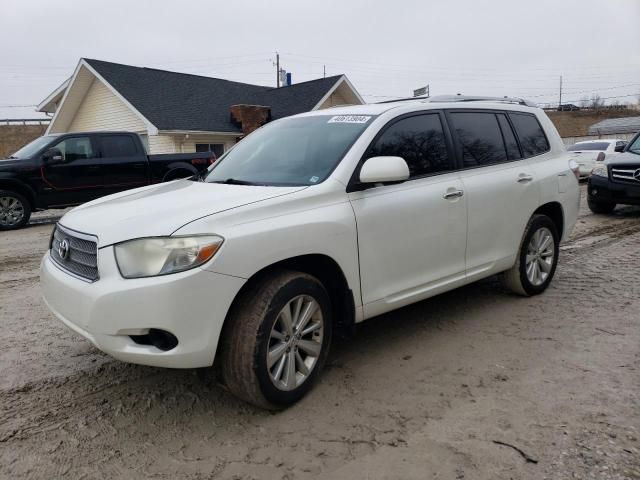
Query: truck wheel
{"type": "Point", "coordinates": [276, 339]}
{"type": "Point", "coordinates": [15, 210]}
{"type": "Point", "coordinates": [600, 207]}
{"type": "Point", "coordinates": [537, 258]}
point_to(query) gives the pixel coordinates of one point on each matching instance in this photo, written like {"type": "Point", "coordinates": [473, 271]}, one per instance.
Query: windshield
{"type": "Point", "coordinates": [635, 146]}
{"type": "Point", "coordinates": [292, 151]}
{"type": "Point", "coordinates": [588, 146]}
{"type": "Point", "coordinates": [30, 148]}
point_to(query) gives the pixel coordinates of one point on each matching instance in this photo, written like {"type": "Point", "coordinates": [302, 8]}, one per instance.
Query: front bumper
{"type": "Point", "coordinates": [602, 189]}
{"type": "Point", "coordinates": [191, 305]}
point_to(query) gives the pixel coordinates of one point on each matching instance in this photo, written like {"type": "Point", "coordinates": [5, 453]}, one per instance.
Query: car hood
{"type": "Point", "coordinates": [625, 158]}
{"type": "Point", "coordinates": [11, 164]}
{"type": "Point", "coordinates": [162, 209]}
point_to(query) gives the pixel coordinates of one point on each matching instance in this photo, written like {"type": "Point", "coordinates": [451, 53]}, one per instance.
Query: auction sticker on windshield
{"type": "Point", "coordinates": [349, 119]}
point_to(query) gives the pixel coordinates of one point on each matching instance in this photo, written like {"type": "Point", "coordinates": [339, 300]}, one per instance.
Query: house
{"type": "Point", "coordinates": [177, 112]}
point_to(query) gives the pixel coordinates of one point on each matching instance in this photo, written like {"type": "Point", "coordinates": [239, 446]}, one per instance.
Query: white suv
{"type": "Point", "coordinates": [308, 226]}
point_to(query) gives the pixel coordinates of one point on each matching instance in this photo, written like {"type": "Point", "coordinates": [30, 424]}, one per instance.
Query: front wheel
{"type": "Point", "coordinates": [276, 339]}
{"type": "Point", "coordinates": [537, 258]}
{"type": "Point", "coordinates": [15, 210]}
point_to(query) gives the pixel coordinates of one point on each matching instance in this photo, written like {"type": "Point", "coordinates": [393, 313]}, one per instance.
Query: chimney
{"type": "Point", "coordinates": [250, 117]}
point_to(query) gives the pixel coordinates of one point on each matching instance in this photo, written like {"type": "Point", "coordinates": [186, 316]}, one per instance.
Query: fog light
{"type": "Point", "coordinates": [594, 191]}
{"type": "Point", "coordinates": [161, 339]}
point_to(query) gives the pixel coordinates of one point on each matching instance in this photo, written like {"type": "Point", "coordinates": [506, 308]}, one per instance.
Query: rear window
{"type": "Point", "coordinates": [533, 141]}
{"type": "Point", "coordinates": [115, 146]}
{"type": "Point", "coordinates": [580, 147]}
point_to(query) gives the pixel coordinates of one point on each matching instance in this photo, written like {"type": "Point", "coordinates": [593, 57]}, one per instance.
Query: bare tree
{"type": "Point", "coordinates": [596, 102]}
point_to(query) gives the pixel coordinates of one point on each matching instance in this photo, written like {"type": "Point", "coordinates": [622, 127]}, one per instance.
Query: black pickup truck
{"type": "Point", "coordinates": [62, 170]}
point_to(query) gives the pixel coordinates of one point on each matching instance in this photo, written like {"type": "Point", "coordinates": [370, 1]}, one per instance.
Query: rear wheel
{"type": "Point", "coordinates": [537, 258]}
{"type": "Point", "coordinates": [597, 206]}
{"type": "Point", "coordinates": [15, 210]}
{"type": "Point", "coordinates": [276, 339]}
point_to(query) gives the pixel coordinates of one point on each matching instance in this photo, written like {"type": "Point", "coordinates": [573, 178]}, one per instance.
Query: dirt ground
{"type": "Point", "coordinates": [473, 384]}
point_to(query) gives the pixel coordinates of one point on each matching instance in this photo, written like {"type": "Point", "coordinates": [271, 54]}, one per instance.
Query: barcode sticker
{"type": "Point", "coordinates": [349, 119]}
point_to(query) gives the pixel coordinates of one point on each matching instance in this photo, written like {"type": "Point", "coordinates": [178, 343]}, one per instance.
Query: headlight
{"type": "Point", "coordinates": [148, 257]}
{"type": "Point", "coordinates": [600, 171]}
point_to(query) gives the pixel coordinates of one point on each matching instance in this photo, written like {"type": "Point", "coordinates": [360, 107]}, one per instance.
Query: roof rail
{"type": "Point", "coordinates": [466, 98]}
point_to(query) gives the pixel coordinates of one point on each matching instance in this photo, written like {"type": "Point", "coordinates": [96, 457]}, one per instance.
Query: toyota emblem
{"type": "Point", "coordinates": [63, 249]}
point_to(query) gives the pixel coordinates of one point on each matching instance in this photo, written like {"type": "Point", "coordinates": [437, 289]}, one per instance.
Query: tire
{"type": "Point", "coordinates": [255, 326]}
{"type": "Point", "coordinates": [15, 210]}
{"type": "Point", "coordinates": [600, 207]}
{"type": "Point", "coordinates": [516, 278]}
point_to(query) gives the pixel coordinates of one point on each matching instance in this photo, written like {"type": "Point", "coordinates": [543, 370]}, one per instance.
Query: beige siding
{"type": "Point", "coordinates": [102, 110]}
{"type": "Point", "coordinates": [336, 98]}
{"type": "Point", "coordinates": [161, 144]}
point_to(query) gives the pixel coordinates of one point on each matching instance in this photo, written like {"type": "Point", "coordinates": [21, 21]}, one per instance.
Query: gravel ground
{"type": "Point", "coordinates": [473, 384]}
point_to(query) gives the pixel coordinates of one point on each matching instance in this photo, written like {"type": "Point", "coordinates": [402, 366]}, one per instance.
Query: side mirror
{"type": "Point", "coordinates": [620, 148]}
{"type": "Point", "coordinates": [52, 156]}
{"type": "Point", "coordinates": [384, 169]}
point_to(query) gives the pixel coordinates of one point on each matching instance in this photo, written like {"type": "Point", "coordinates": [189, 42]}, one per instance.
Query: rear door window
{"type": "Point", "coordinates": [419, 140]}
{"type": "Point", "coordinates": [530, 133]}
{"type": "Point", "coordinates": [478, 138]}
{"type": "Point", "coordinates": [115, 146]}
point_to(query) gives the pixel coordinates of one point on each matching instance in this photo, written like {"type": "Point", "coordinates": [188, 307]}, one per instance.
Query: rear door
{"type": "Point", "coordinates": [125, 163]}
{"type": "Point", "coordinates": [411, 235]}
{"type": "Point", "coordinates": [78, 177]}
{"type": "Point", "coordinates": [499, 186]}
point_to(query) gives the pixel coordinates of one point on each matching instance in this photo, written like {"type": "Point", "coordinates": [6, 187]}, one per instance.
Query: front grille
{"type": "Point", "coordinates": [75, 252]}
{"type": "Point", "coordinates": [626, 174]}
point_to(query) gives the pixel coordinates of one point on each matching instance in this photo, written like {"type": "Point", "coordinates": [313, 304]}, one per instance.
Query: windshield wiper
{"type": "Point", "coordinates": [11, 157]}
{"type": "Point", "coordinates": [233, 181]}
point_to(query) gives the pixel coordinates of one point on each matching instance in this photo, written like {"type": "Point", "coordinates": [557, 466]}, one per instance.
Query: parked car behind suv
{"type": "Point", "coordinates": [62, 170]}
{"type": "Point", "coordinates": [308, 226]}
{"type": "Point", "coordinates": [616, 180]}
{"type": "Point", "coordinates": [587, 154]}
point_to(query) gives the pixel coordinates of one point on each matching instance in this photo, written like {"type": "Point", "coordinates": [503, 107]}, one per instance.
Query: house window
{"type": "Point", "coordinates": [216, 148]}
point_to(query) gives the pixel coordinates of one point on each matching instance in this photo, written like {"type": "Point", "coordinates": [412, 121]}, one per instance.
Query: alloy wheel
{"type": "Point", "coordinates": [295, 342]}
{"type": "Point", "coordinates": [540, 256]}
{"type": "Point", "coordinates": [11, 211]}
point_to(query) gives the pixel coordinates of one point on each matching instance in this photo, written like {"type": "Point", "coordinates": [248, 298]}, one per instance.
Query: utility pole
{"type": "Point", "coordinates": [324, 71]}
{"type": "Point", "coordinates": [277, 70]}
{"type": "Point", "coordinates": [560, 99]}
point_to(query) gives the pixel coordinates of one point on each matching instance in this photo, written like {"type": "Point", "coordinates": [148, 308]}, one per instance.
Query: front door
{"type": "Point", "coordinates": [78, 177]}
{"type": "Point", "coordinates": [411, 236]}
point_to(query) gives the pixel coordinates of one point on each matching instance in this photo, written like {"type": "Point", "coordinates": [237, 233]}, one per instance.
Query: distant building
{"type": "Point", "coordinates": [178, 112]}
{"type": "Point", "coordinates": [616, 126]}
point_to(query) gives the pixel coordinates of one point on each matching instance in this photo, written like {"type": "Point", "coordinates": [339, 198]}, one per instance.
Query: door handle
{"type": "Point", "coordinates": [524, 178]}
{"type": "Point", "coordinates": [94, 167]}
{"type": "Point", "coordinates": [453, 194]}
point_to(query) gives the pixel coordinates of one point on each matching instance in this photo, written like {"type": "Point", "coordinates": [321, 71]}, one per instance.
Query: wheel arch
{"type": "Point", "coordinates": [21, 188]}
{"type": "Point", "coordinates": [328, 272]}
{"type": "Point", "coordinates": [554, 211]}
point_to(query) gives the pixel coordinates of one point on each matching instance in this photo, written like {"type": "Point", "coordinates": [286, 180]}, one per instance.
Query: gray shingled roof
{"type": "Point", "coordinates": [616, 125]}
{"type": "Point", "coordinates": [179, 101]}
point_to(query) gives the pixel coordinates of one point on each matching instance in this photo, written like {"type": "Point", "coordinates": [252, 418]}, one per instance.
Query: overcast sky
{"type": "Point", "coordinates": [387, 48]}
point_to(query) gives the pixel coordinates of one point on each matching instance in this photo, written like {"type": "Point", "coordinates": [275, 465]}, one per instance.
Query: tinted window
{"type": "Point", "coordinates": [532, 138]}
{"type": "Point", "coordinates": [513, 151]}
{"type": "Point", "coordinates": [580, 147]}
{"type": "Point", "coordinates": [118, 146]}
{"type": "Point", "coordinates": [419, 140]}
{"type": "Point", "coordinates": [75, 148]}
{"type": "Point", "coordinates": [479, 138]}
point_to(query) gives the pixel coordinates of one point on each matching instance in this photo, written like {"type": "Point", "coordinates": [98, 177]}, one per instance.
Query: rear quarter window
{"type": "Point", "coordinates": [533, 140]}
